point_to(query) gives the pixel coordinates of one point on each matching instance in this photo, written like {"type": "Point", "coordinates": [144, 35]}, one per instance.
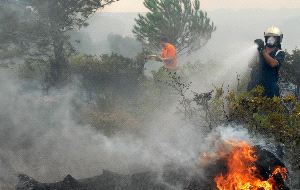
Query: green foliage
{"type": "Point", "coordinates": [182, 21]}
{"type": "Point", "coordinates": [112, 74]}
{"type": "Point", "coordinates": [41, 30]}
{"type": "Point", "coordinates": [273, 117]}
{"type": "Point", "coordinates": [276, 118]}
{"type": "Point", "coordinates": [291, 68]}
{"type": "Point", "coordinates": [105, 66]}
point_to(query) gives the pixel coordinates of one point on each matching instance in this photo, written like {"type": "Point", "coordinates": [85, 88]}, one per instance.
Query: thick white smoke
{"type": "Point", "coordinates": [40, 137]}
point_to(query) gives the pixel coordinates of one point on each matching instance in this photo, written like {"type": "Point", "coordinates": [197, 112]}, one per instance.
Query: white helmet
{"type": "Point", "coordinates": [273, 31]}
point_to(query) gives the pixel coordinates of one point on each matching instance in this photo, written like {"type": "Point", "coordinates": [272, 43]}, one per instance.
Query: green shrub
{"type": "Point", "coordinates": [276, 117]}
{"type": "Point", "coordinates": [106, 71]}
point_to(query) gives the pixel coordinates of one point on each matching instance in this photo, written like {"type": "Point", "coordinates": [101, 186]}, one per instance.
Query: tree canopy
{"type": "Point", "coordinates": [181, 21]}
{"type": "Point", "coordinates": [41, 28]}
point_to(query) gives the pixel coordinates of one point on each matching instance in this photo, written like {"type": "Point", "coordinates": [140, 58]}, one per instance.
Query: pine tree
{"type": "Point", "coordinates": [181, 21]}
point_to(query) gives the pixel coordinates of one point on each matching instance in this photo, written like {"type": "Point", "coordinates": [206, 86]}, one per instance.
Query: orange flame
{"type": "Point", "coordinates": [242, 172]}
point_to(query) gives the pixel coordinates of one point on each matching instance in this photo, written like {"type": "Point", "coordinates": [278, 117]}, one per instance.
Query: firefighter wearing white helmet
{"type": "Point", "coordinates": [273, 37]}
{"type": "Point", "coordinates": [271, 57]}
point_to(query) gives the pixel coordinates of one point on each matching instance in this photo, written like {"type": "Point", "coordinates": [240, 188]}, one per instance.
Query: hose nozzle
{"type": "Point", "coordinates": [260, 44]}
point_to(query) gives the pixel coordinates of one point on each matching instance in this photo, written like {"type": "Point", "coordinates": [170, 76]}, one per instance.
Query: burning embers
{"type": "Point", "coordinates": [247, 169]}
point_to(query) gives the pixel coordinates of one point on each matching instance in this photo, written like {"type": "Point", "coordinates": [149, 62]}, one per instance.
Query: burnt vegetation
{"type": "Point", "coordinates": [172, 177]}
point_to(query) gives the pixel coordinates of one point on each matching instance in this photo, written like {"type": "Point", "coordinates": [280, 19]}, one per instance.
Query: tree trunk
{"type": "Point", "coordinates": [58, 62]}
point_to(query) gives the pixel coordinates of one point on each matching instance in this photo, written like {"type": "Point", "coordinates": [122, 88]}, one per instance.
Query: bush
{"type": "Point", "coordinates": [274, 117]}
{"type": "Point", "coordinates": [106, 72]}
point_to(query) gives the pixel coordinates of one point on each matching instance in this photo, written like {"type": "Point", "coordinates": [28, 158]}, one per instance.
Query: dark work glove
{"type": "Point", "coordinates": [261, 45]}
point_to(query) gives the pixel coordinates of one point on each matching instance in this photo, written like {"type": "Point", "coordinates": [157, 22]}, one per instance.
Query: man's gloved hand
{"type": "Point", "coordinates": [261, 45]}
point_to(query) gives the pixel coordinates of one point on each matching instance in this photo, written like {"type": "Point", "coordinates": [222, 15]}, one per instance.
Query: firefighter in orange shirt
{"type": "Point", "coordinates": [168, 55]}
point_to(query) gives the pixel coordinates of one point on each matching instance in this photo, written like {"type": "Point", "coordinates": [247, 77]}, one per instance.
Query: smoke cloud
{"type": "Point", "coordinates": [40, 137]}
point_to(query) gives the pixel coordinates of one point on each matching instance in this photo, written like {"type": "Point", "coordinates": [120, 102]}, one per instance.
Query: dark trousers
{"type": "Point", "coordinates": [271, 89]}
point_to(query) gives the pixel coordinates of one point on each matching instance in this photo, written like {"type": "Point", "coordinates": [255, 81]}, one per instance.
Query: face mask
{"type": "Point", "coordinates": [271, 41]}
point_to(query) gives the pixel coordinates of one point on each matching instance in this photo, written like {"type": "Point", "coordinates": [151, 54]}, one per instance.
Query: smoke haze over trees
{"type": "Point", "coordinates": [43, 27]}
{"type": "Point", "coordinates": [232, 30]}
{"type": "Point", "coordinates": [79, 99]}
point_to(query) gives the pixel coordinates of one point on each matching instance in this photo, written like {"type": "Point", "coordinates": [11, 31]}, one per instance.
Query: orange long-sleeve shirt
{"type": "Point", "coordinates": [169, 51]}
